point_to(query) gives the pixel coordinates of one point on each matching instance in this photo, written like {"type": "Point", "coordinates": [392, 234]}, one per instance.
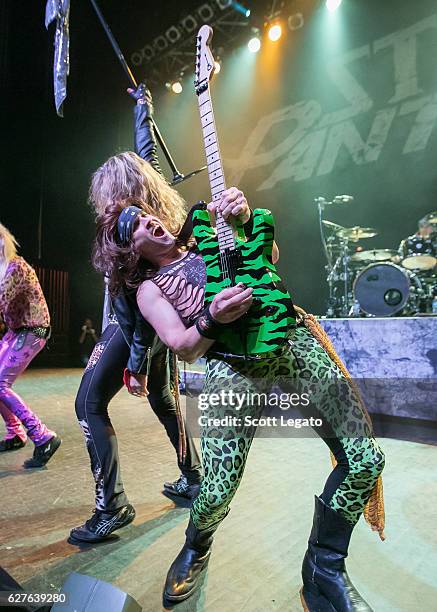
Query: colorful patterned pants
{"type": "Point", "coordinates": [16, 352]}
{"type": "Point", "coordinates": [306, 369]}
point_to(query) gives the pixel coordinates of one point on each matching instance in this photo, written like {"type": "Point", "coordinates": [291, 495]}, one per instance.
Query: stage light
{"type": "Point", "coordinates": [254, 44]}
{"type": "Point", "coordinates": [241, 9]}
{"type": "Point", "coordinates": [176, 87]}
{"type": "Point", "coordinates": [275, 32]}
{"type": "Point", "coordinates": [296, 21]}
{"type": "Point", "coordinates": [332, 5]}
{"type": "Point", "coordinates": [217, 67]}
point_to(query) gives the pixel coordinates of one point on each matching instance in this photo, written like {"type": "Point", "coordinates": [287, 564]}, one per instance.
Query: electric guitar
{"type": "Point", "coordinates": [231, 258]}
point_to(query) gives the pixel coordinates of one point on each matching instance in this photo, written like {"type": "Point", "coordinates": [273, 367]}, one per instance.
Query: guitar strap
{"type": "Point", "coordinates": [187, 228]}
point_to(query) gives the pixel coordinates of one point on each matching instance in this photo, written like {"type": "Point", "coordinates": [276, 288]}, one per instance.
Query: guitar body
{"type": "Point", "coordinates": [264, 328]}
{"type": "Point", "coordinates": [245, 259]}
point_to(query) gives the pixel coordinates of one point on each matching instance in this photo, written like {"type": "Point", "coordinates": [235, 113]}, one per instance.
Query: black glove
{"type": "Point", "coordinates": [142, 96]}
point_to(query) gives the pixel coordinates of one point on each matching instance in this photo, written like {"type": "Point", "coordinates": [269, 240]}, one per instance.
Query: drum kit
{"type": "Point", "coordinates": [379, 282]}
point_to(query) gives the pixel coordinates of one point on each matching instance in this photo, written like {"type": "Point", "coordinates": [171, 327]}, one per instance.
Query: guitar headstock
{"type": "Point", "coordinates": [204, 59]}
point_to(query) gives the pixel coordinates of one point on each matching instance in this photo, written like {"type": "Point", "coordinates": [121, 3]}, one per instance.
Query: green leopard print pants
{"type": "Point", "coordinates": [305, 368]}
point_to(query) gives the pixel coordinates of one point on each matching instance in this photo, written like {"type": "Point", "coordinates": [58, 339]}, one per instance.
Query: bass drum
{"type": "Point", "coordinates": [385, 289]}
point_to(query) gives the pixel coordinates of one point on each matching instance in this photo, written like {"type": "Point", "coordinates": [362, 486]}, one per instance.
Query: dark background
{"type": "Point", "coordinates": [48, 161]}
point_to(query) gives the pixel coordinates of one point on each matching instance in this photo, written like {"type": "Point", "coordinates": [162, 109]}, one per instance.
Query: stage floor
{"type": "Point", "coordinates": [255, 565]}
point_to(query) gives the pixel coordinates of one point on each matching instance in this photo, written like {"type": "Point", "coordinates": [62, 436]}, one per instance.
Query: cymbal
{"type": "Point", "coordinates": [333, 226]}
{"type": "Point", "coordinates": [357, 233]}
{"type": "Point", "coordinates": [375, 255]}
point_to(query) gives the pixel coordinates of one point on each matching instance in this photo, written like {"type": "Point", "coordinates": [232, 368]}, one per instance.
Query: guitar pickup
{"type": "Point", "coordinates": [230, 262]}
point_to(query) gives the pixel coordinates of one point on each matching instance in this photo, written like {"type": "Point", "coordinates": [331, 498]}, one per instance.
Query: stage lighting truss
{"type": "Point", "coordinates": [172, 53]}
{"type": "Point", "coordinates": [282, 14]}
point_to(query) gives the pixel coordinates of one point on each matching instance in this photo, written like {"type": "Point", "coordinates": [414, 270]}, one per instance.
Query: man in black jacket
{"type": "Point", "coordinates": [127, 339]}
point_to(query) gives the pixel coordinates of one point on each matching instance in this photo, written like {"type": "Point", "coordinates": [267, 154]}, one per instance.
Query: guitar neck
{"type": "Point", "coordinates": [225, 233]}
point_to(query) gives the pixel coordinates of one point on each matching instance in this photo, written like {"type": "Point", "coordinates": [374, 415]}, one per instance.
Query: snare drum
{"type": "Point", "coordinates": [419, 253]}
{"type": "Point", "coordinates": [385, 289]}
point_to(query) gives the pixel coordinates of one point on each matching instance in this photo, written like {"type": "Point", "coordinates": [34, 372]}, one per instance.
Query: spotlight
{"type": "Point", "coordinates": [275, 32]}
{"type": "Point", "coordinates": [241, 9]}
{"type": "Point", "coordinates": [296, 21]}
{"type": "Point", "coordinates": [217, 67]}
{"type": "Point", "coordinates": [176, 87]}
{"type": "Point", "coordinates": [332, 5]}
{"type": "Point", "coordinates": [254, 44]}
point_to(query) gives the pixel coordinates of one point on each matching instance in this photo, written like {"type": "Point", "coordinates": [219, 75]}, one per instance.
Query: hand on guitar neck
{"type": "Point", "coordinates": [233, 203]}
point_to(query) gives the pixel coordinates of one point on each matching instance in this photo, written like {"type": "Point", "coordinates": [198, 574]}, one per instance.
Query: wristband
{"type": "Point", "coordinates": [207, 326]}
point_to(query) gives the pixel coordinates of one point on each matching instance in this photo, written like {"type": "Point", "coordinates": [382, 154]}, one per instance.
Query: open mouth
{"type": "Point", "coordinates": [157, 231]}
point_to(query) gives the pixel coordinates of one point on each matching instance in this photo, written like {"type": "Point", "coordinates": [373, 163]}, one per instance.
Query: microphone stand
{"type": "Point", "coordinates": [331, 268]}
{"type": "Point", "coordinates": [321, 203]}
{"type": "Point", "coordinates": [178, 177]}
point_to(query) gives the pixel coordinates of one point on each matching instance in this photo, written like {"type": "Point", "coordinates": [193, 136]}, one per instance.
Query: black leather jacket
{"type": "Point", "coordinates": [138, 334]}
{"type": "Point", "coordinates": [136, 331]}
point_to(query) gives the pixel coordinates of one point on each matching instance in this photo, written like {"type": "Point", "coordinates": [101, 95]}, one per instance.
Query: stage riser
{"type": "Point", "coordinates": [393, 360]}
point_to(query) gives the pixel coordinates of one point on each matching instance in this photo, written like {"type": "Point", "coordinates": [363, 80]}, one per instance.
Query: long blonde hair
{"type": "Point", "coordinates": [8, 249]}
{"type": "Point", "coordinates": [125, 179]}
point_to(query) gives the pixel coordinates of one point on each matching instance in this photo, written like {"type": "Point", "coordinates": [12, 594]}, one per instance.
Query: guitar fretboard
{"type": "Point", "coordinates": [225, 233]}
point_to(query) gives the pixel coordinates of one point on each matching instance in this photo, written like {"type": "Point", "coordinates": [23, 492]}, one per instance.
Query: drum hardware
{"type": "Point", "coordinates": [428, 298]}
{"type": "Point", "coordinates": [332, 226]}
{"type": "Point", "coordinates": [339, 268]}
{"type": "Point", "coordinates": [379, 282]}
{"type": "Point", "coordinates": [338, 279]}
{"type": "Point", "coordinates": [375, 255]}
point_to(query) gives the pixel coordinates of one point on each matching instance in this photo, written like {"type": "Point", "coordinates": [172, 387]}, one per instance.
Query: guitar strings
{"type": "Point", "coordinates": [224, 259]}
{"type": "Point", "coordinates": [225, 269]}
{"type": "Point", "coordinates": [226, 266]}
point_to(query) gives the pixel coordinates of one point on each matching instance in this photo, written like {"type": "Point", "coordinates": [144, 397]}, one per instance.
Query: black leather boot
{"type": "Point", "coordinates": [326, 584]}
{"type": "Point", "coordinates": [184, 575]}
